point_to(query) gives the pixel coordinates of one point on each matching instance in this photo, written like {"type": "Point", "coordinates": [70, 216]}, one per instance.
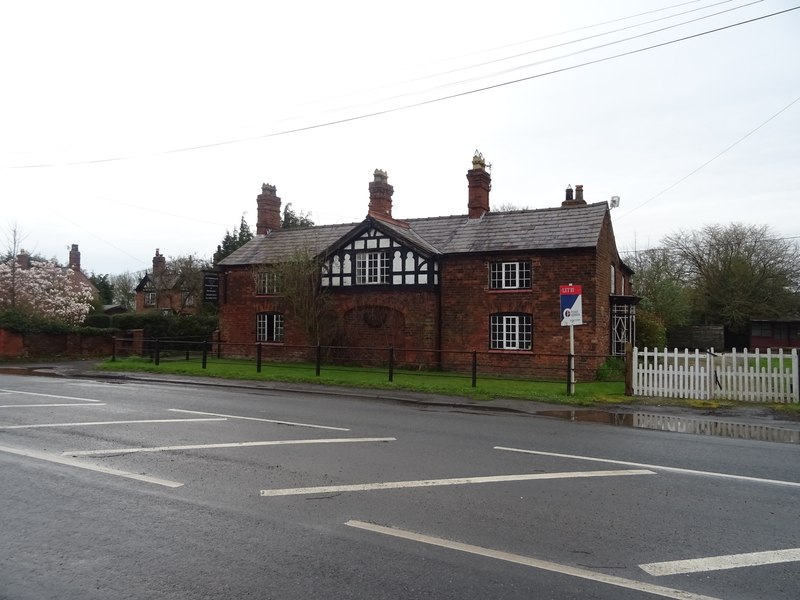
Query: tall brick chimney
{"type": "Point", "coordinates": [24, 260]}
{"type": "Point", "coordinates": [74, 258]}
{"type": "Point", "coordinates": [159, 263]}
{"type": "Point", "coordinates": [577, 200]}
{"type": "Point", "coordinates": [480, 182]}
{"type": "Point", "coordinates": [380, 195]}
{"type": "Point", "coordinates": [269, 210]}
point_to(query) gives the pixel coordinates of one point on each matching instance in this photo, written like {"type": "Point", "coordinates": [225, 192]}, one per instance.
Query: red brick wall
{"type": "Point", "coordinates": [407, 321]}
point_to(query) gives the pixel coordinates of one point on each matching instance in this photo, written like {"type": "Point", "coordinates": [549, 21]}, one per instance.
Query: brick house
{"type": "Point", "coordinates": [436, 289]}
{"type": "Point", "coordinates": [165, 291]}
{"type": "Point", "coordinates": [73, 269]}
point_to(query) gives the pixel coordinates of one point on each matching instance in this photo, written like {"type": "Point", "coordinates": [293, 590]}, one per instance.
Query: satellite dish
{"type": "Point", "coordinates": [614, 201]}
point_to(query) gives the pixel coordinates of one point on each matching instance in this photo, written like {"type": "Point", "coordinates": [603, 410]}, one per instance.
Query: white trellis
{"type": "Point", "coordinates": [771, 376]}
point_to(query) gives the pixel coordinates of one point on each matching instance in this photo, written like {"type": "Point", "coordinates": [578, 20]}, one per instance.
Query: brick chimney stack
{"type": "Point", "coordinates": [24, 260]}
{"type": "Point", "coordinates": [578, 200]}
{"type": "Point", "coordinates": [269, 210]}
{"type": "Point", "coordinates": [480, 183]}
{"type": "Point", "coordinates": [380, 195]}
{"type": "Point", "coordinates": [159, 263]}
{"type": "Point", "coordinates": [74, 258]}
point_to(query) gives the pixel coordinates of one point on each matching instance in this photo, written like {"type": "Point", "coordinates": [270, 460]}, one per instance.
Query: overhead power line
{"type": "Point", "coordinates": [712, 159]}
{"type": "Point", "coordinates": [421, 103]}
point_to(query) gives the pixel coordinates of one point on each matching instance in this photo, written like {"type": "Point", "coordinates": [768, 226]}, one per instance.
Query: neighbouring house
{"type": "Point", "coordinates": [73, 268]}
{"type": "Point", "coordinates": [436, 289]}
{"type": "Point", "coordinates": [775, 333]}
{"type": "Point", "coordinates": [166, 291]}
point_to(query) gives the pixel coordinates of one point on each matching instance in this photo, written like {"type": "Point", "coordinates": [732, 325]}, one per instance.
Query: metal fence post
{"type": "Point", "coordinates": [114, 348]}
{"type": "Point", "coordinates": [205, 353]}
{"type": "Point", "coordinates": [258, 358]}
{"type": "Point", "coordinates": [474, 368]}
{"type": "Point", "coordinates": [391, 364]}
{"type": "Point", "coordinates": [319, 359]}
{"type": "Point", "coordinates": [157, 357]}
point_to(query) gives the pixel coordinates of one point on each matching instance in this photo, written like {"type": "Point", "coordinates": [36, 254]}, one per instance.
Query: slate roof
{"type": "Point", "coordinates": [539, 229]}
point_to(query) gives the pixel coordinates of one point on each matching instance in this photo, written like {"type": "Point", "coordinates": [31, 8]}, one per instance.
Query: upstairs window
{"type": "Point", "coordinates": [269, 327]}
{"type": "Point", "coordinates": [372, 268]}
{"type": "Point", "coordinates": [511, 332]}
{"type": "Point", "coordinates": [266, 283]}
{"type": "Point", "coordinates": [149, 297]}
{"type": "Point", "coordinates": [510, 275]}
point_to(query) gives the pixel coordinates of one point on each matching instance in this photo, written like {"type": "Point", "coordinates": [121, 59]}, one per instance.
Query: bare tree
{"type": "Point", "coordinates": [299, 285]}
{"type": "Point", "coordinates": [738, 272]}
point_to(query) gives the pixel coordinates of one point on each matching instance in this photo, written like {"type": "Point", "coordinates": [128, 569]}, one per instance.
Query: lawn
{"type": "Point", "coordinates": [435, 382]}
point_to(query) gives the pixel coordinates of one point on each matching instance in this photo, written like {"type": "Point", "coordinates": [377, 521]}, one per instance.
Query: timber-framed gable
{"type": "Point", "coordinates": [375, 255]}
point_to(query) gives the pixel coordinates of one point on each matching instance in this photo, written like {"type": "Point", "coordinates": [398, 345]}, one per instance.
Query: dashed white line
{"type": "Point", "coordinates": [718, 563]}
{"type": "Point", "coordinates": [225, 445]}
{"type": "Point", "coordinates": [393, 485]}
{"type": "Point", "coordinates": [197, 412]}
{"type": "Point", "coordinates": [53, 458]}
{"type": "Point", "coordinates": [656, 467]}
{"type": "Point", "coordinates": [527, 561]}
{"type": "Point", "coordinates": [47, 405]}
{"type": "Point", "coordinates": [89, 423]}
{"type": "Point", "coordinates": [48, 395]}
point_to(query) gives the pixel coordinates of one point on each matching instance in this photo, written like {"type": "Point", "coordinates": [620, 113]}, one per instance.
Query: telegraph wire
{"type": "Point", "coordinates": [567, 43]}
{"type": "Point", "coordinates": [571, 54]}
{"type": "Point", "coordinates": [712, 159]}
{"type": "Point", "coordinates": [421, 103]}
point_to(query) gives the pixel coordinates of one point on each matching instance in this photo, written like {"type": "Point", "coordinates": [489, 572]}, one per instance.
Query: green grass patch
{"type": "Point", "coordinates": [432, 382]}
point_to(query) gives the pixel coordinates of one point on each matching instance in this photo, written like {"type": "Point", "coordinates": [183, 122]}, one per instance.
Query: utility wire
{"type": "Point", "coordinates": [422, 102]}
{"type": "Point", "coordinates": [567, 43]}
{"type": "Point", "coordinates": [712, 159]}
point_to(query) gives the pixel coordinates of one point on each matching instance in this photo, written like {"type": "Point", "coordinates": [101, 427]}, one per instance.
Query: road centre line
{"type": "Point", "coordinates": [718, 563]}
{"type": "Point", "coordinates": [46, 405]}
{"type": "Point", "coordinates": [656, 467]}
{"type": "Point", "coordinates": [527, 561]}
{"type": "Point", "coordinates": [88, 423]}
{"type": "Point", "coordinates": [54, 458]}
{"type": "Point", "coordinates": [48, 395]}
{"type": "Point", "coordinates": [393, 485]}
{"type": "Point", "coordinates": [225, 445]}
{"type": "Point", "coordinates": [197, 412]}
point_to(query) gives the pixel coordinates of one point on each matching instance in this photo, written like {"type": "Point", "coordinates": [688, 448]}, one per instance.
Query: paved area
{"type": "Point", "coordinates": [747, 422]}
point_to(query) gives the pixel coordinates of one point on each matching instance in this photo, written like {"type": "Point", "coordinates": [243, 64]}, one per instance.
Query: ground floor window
{"type": "Point", "coordinates": [511, 332]}
{"type": "Point", "coordinates": [269, 327]}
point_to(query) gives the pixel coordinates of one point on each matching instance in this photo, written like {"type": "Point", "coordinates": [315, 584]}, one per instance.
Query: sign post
{"type": "Point", "coordinates": [571, 315]}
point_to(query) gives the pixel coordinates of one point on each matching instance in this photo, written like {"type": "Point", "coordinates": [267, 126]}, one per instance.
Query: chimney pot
{"type": "Point", "coordinates": [578, 200]}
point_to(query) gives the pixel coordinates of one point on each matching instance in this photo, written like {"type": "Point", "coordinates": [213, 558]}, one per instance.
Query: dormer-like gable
{"type": "Point", "coordinates": [379, 253]}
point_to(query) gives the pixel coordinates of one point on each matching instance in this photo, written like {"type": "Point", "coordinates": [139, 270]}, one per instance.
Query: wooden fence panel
{"type": "Point", "coordinates": [737, 375]}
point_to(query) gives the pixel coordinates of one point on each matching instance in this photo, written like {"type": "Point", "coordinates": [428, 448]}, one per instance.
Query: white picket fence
{"type": "Point", "coordinates": [771, 376]}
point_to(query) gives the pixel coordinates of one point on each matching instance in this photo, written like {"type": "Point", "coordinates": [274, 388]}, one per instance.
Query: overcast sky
{"type": "Point", "coordinates": [131, 126]}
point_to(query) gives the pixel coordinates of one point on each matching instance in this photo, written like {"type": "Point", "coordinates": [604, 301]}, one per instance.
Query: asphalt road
{"type": "Point", "coordinates": [136, 490]}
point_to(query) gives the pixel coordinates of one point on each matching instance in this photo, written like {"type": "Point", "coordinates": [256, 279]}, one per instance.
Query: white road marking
{"type": "Point", "coordinates": [656, 467]}
{"type": "Point", "coordinates": [535, 563]}
{"type": "Point", "coordinates": [48, 395]}
{"type": "Point", "coordinates": [718, 563]}
{"type": "Point", "coordinates": [82, 465]}
{"type": "Point", "coordinates": [88, 423]}
{"type": "Point", "coordinates": [197, 412]}
{"type": "Point", "coordinates": [224, 445]}
{"type": "Point", "coordinates": [44, 405]}
{"type": "Point", "coordinates": [392, 485]}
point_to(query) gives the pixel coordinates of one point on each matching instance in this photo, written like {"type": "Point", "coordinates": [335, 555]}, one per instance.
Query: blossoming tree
{"type": "Point", "coordinates": [44, 289]}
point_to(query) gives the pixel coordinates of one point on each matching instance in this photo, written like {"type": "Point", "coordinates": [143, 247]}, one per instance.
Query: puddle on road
{"type": "Point", "coordinates": [590, 416]}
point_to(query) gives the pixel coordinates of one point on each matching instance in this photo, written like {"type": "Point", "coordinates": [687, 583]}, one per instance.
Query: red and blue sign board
{"type": "Point", "coordinates": [571, 305]}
